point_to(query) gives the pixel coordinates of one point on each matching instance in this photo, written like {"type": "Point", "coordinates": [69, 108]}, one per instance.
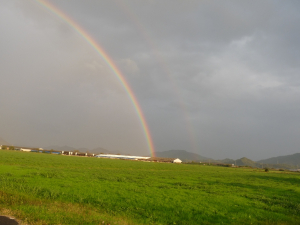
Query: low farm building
{"type": "Point", "coordinates": [164, 160]}
{"type": "Point", "coordinates": [25, 150]}
{"type": "Point", "coordinates": [57, 153]}
{"type": "Point", "coordinates": [121, 156]}
{"type": "Point", "coordinates": [66, 153]}
{"type": "Point", "coordinates": [80, 154]}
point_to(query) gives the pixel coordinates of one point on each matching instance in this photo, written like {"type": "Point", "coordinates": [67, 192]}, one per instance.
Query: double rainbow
{"type": "Point", "coordinates": [109, 62]}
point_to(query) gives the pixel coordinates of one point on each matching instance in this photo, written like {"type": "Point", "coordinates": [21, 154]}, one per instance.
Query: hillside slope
{"type": "Point", "coordinates": [182, 154]}
{"type": "Point", "coordinates": [246, 162]}
{"type": "Point", "coordinates": [287, 159]}
{"type": "Point", "coordinates": [100, 150]}
{"type": "Point", "coordinates": [227, 161]}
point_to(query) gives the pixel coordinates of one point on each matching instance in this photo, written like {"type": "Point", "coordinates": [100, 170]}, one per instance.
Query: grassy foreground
{"type": "Point", "coordinates": [52, 189]}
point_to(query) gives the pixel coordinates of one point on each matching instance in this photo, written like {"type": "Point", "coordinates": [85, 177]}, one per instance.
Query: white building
{"type": "Point", "coordinates": [177, 161]}
{"type": "Point", "coordinates": [25, 149]}
{"type": "Point", "coordinates": [121, 156]}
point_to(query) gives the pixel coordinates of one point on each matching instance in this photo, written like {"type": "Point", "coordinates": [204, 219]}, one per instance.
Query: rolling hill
{"type": "Point", "coordinates": [100, 150]}
{"type": "Point", "coordinates": [183, 155]}
{"type": "Point", "coordinates": [246, 162]}
{"type": "Point", "coordinates": [227, 161]}
{"type": "Point", "coordinates": [287, 159]}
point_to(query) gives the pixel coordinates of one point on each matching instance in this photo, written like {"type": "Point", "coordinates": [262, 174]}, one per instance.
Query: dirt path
{"type": "Point", "coordinates": [4, 220]}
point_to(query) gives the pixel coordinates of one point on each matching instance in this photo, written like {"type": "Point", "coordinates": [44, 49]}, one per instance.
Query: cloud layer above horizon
{"type": "Point", "coordinates": [218, 78]}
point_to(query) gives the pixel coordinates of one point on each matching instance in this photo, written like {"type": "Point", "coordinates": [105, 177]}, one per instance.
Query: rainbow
{"type": "Point", "coordinates": [164, 65]}
{"type": "Point", "coordinates": [109, 62]}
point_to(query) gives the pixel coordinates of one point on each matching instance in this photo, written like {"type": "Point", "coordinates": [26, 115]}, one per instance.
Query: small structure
{"type": "Point", "coordinates": [177, 161]}
{"type": "Point", "coordinates": [111, 156]}
{"type": "Point", "coordinates": [57, 153]}
{"type": "Point", "coordinates": [66, 153]}
{"type": "Point", "coordinates": [160, 160]}
{"type": "Point", "coordinates": [25, 149]}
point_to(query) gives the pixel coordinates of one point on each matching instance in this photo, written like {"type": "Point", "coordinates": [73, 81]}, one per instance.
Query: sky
{"type": "Point", "coordinates": [217, 78]}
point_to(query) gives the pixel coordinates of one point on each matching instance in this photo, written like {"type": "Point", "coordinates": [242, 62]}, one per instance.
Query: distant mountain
{"type": "Point", "coordinates": [240, 162]}
{"type": "Point", "coordinates": [246, 162]}
{"type": "Point", "coordinates": [227, 161]}
{"type": "Point", "coordinates": [3, 142]}
{"type": "Point", "coordinates": [288, 159]}
{"type": "Point", "coordinates": [182, 154]}
{"type": "Point", "coordinates": [83, 149]}
{"type": "Point", "coordinates": [268, 163]}
{"type": "Point", "coordinates": [100, 150]}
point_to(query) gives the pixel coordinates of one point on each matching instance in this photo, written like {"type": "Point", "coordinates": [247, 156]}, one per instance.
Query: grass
{"type": "Point", "coordinates": [52, 189]}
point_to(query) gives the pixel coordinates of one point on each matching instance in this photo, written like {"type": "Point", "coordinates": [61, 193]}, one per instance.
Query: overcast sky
{"type": "Point", "coordinates": [218, 78]}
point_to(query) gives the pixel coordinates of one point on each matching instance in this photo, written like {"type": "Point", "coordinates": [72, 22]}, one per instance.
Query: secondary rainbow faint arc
{"type": "Point", "coordinates": [109, 61]}
{"type": "Point", "coordinates": [150, 41]}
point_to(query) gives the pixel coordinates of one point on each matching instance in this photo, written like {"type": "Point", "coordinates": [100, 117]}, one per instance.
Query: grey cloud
{"type": "Point", "coordinates": [219, 78]}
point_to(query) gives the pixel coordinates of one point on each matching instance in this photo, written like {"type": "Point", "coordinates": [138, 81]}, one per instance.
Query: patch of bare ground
{"type": "Point", "coordinates": [6, 218]}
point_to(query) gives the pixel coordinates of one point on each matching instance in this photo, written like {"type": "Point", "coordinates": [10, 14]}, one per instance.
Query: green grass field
{"type": "Point", "coordinates": [53, 189]}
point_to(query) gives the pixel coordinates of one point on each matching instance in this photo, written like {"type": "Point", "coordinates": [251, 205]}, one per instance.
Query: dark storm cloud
{"type": "Point", "coordinates": [219, 78]}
